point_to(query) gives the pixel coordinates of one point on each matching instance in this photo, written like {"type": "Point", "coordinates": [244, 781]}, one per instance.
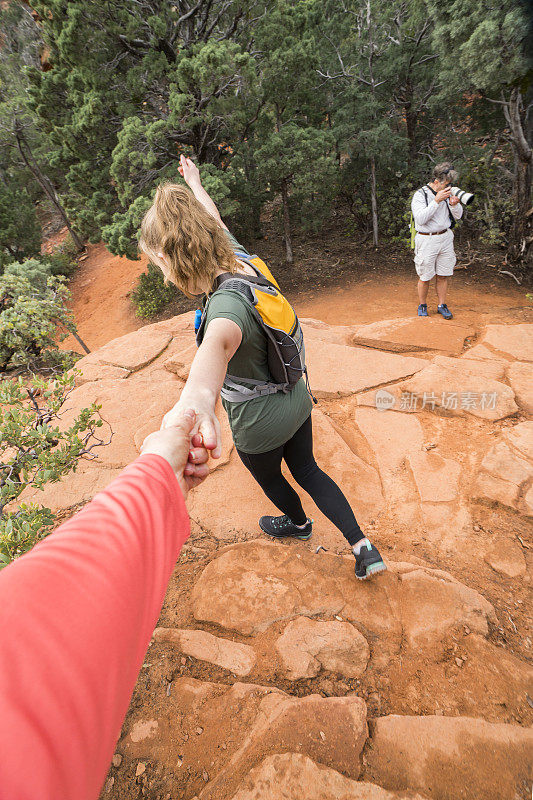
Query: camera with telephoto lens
{"type": "Point", "coordinates": [465, 197]}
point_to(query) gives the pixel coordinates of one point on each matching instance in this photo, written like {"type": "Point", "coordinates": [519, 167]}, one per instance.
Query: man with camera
{"type": "Point", "coordinates": [435, 210]}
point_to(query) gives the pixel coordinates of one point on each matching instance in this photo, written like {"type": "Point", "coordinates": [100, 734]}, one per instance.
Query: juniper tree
{"type": "Point", "coordinates": [23, 146]}
{"type": "Point", "coordinates": [131, 87]}
{"type": "Point", "coordinates": [483, 54]}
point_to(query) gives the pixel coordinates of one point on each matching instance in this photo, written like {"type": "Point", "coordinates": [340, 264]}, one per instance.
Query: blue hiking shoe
{"type": "Point", "coordinates": [281, 527]}
{"type": "Point", "coordinates": [368, 562]}
{"type": "Point", "coordinates": [445, 311]}
{"type": "Point", "coordinates": [422, 310]}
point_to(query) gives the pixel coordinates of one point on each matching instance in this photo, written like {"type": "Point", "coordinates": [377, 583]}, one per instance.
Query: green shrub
{"type": "Point", "coordinates": [152, 294]}
{"type": "Point", "coordinates": [63, 258]}
{"type": "Point", "coordinates": [36, 450]}
{"type": "Point", "coordinates": [34, 271]}
{"type": "Point", "coordinates": [29, 320]}
{"type": "Point", "coordinates": [20, 233]}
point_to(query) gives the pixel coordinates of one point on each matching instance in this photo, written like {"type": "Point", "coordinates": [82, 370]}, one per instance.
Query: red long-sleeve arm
{"type": "Point", "coordinates": [76, 617]}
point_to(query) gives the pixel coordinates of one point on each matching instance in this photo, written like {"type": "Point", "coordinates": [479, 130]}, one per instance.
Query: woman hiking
{"type": "Point", "coordinates": [183, 233]}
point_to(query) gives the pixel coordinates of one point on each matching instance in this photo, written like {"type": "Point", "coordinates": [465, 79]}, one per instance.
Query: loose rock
{"type": "Point", "coordinates": [235, 657]}
{"type": "Point", "coordinates": [507, 558]}
{"type": "Point", "coordinates": [306, 646]}
{"type": "Point", "coordinates": [412, 334]}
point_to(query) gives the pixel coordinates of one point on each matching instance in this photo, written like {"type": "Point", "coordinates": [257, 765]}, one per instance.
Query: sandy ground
{"type": "Point", "coordinates": [103, 310]}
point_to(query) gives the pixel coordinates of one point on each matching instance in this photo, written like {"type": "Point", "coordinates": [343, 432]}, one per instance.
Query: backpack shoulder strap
{"type": "Point", "coordinates": [257, 280]}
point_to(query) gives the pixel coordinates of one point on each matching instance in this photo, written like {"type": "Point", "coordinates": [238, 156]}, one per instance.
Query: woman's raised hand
{"type": "Point", "coordinates": [206, 432]}
{"type": "Point", "coordinates": [189, 171]}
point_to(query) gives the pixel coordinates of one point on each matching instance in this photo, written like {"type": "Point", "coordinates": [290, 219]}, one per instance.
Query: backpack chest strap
{"type": "Point", "coordinates": [235, 392]}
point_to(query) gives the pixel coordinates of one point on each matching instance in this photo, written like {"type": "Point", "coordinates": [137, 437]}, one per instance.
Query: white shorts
{"type": "Point", "coordinates": [434, 255]}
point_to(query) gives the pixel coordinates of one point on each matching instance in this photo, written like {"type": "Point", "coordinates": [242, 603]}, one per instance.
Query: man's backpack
{"type": "Point", "coordinates": [412, 228]}
{"type": "Point", "coordinates": [279, 323]}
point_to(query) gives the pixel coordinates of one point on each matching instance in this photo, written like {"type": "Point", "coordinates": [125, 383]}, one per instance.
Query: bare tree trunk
{"type": "Point", "coordinates": [285, 201]}
{"type": "Point", "coordinates": [373, 200]}
{"type": "Point", "coordinates": [80, 341]}
{"type": "Point", "coordinates": [45, 183]}
{"type": "Point", "coordinates": [286, 223]}
{"type": "Point", "coordinates": [520, 238]}
{"type": "Point", "coordinates": [411, 121]}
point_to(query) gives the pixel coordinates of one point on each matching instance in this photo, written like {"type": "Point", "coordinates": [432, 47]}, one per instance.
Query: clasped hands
{"type": "Point", "coordinates": [185, 440]}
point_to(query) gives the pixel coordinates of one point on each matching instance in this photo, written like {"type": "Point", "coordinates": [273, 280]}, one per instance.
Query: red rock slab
{"type": "Point", "coordinates": [92, 369]}
{"type": "Point", "coordinates": [76, 487]}
{"type": "Point", "coordinates": [316, 329]}
{"type": "Point", "coordinates": [129, 406]}
{"type": "Point", "coordinates": [479, 352]}
{"type": "Point", "coordinates": [251, 585]}
{"type": "Point", "coordinates": [507, 469]}
{"type": "Point", "coordinates": [392, 437]}
{"type": "Point", "coordinates": [337, 370]}
{"type": "Point", "coordinates": [412, 334]}
{"type": "Point", "coordinates": [506, 557]}
{"type": "Point", "coordinates": [134, 350]}
{"type": "Point", "coordinates": [291, 775]}
{"type": "Point", "coordinates": [520, 437]}
{"type": "Point", "coordinates": [436, 478]}
{"type": "Point", "coordinates": [458, 392]}
{"type": "Point", "coordinates": [481, 367]}
{"type": "Point", "coordinates": [511, 340]}
{"type": "Point", "coordinates": [447, 758]}
{"type": "Point", "coordinates": [520, 375]}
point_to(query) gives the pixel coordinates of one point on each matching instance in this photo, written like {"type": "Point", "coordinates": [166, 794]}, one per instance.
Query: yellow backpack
{"type": "Point", "coordinates": [278, 321]}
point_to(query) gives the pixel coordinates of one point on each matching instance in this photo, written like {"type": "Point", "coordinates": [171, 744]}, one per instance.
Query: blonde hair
{"type": "Point", "coordinates": [196, 247]}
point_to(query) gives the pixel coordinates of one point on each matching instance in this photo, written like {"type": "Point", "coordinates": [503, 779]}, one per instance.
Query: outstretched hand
{"type": "Point", "coordinates": [182, 448]}
{"type": "Point", "coordinates": [189, 171]}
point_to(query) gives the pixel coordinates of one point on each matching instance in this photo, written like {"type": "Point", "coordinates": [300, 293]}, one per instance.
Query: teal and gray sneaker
{"type": "Point", "coordinates": [444, 311]}
{"type": "Point", "coordinates": [423, 310]}
{"type": "Point", "coordinates": [368, 562]}
{"type": "Point", "coordinates": [280, 527]}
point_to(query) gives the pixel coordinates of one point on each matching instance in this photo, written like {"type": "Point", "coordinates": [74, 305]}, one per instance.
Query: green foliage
{"type": "Point", "coordinates": [63, 258]}
{"type": "Point", "coordinates": [29, 319]}
{"type": "Point", "coordinates": [481, 46]}
{"type": "Point", "coordinates": [121, 234]}
{"type": "Point", "coordinates": [35, 272]}
{"type": "Point", "coordinates": [492, 211]}
{"type": "Point", "coordinates": [36, 449]}
{"type": "Point", "coordinates": [304, 98]}
{"type": "Point", "coordinates": [20, 233]}
{"type": "Point", "coordinates": [152, 294]}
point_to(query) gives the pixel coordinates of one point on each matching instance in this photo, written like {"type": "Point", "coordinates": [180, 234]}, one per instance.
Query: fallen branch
{"type": "Point", "coordinates": [506, 272]}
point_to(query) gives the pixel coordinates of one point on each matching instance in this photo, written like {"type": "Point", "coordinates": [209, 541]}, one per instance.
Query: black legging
{"type": "Point", "coordinates": [298, 455]}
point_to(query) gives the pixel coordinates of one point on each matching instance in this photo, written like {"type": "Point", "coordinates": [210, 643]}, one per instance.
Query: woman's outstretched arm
{"type": "Point", "coordinates": [190, 174]}
{"type": "Point", "coordinates": [206, 376]}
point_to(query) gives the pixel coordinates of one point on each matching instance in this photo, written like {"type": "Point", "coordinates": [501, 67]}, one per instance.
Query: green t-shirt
{"type": "Point", "coordinates": [263, 423]}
